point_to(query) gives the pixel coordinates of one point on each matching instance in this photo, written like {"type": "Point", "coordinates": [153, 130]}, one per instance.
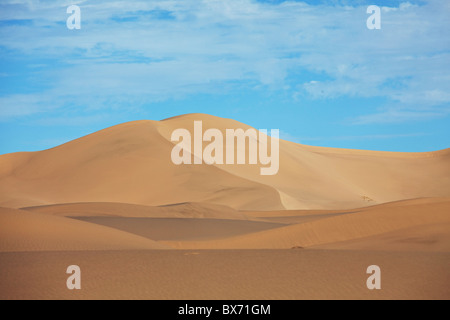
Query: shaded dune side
{"type": "Point", "coordinates": [362, 224]}
{"type": "Point", "coordinates": [182, 229]}
{"type": "Point", "coordinates": [28, 231]}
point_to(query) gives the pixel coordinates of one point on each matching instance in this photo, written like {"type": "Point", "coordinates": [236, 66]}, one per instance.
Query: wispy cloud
{"type": "Point", "coordinates": [400, 116]}
{"type": "Point", "coordinates": [135, 52]}
{"type": "Point", "coordinates": [359, 137]}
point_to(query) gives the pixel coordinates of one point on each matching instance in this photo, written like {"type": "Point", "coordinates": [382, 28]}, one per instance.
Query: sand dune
{"type": "Point", "coordinates": [327, 178]}
{"type": "Point", "coordinates": [130, 163]}
{"type": "Point", "coordinates": [373, 221]}
{"type": "Point", "coordinates": [423, 238]}
{"type": "Point", "coordinates": [419, 224]}
{"type": "Point", "coordinates": [25, 231]}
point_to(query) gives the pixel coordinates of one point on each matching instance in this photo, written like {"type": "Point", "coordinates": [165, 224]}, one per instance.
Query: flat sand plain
{"type": "Point", "coordinates": [224, 274]}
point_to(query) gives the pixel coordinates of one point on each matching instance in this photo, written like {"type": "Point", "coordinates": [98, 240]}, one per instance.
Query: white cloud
{"type": "Point", "coordinates": [361, 137]}
{"type": "Point", "coordinates": [18, 105]}
{"type": "Point", "coordinates": [211, 42]}
{"type": "Point", "coordinates": [399, 114]}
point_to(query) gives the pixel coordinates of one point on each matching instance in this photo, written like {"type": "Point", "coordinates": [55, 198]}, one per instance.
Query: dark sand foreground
{"type": "Point", "coordinates": [224, 274]}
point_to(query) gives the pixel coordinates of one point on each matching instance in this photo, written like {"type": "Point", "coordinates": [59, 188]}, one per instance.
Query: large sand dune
{"type": "Point", "coordinates": [130, 163]}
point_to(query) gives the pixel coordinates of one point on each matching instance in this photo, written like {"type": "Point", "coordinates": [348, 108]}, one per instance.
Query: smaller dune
{"type": "Point", "coordinates": [370, 222]}
{"type": "Point", "coordinates": [425, 238]}
{"type": "Point", "coordinates": [29, 231]}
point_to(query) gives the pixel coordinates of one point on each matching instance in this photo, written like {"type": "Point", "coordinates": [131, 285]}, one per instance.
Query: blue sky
{"type": "Point", "coordinates": [309, 68]}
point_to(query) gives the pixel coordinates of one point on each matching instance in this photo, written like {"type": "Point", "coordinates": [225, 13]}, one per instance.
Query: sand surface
{"type": "Point", "coordinates": [142, 228]}
{"type": "Point", "coordinates": [224, 274]}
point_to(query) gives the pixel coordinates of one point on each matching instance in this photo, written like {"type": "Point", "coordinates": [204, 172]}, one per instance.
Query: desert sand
{"type": "Point", "coordinates": [141, 227]}
{"type": "Point", "coordinates": [224, 274]}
